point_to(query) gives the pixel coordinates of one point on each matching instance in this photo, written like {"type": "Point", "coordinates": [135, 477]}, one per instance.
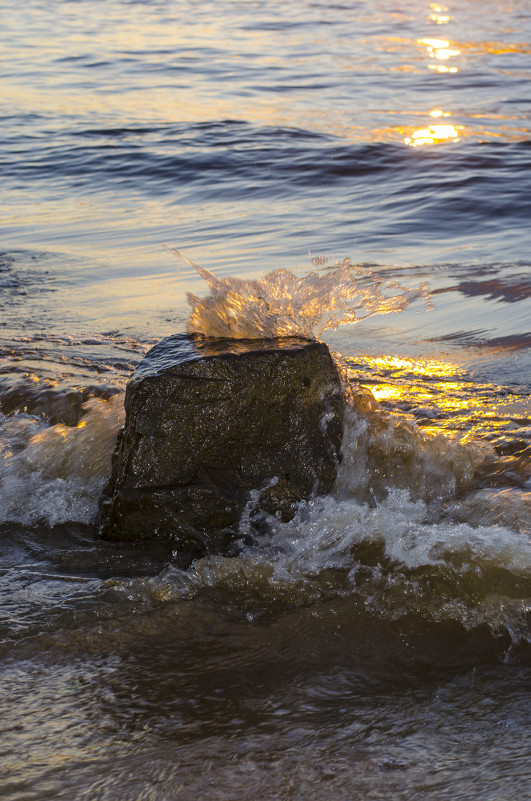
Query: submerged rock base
{"type": "Point", "coordinates": [207, 422]}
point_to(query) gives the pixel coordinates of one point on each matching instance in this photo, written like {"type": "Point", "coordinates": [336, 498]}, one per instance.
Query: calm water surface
{"type": "Point", "coordinates": [377, 646]}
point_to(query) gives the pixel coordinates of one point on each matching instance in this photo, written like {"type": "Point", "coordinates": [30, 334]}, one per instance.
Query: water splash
{"type": "Point", "coordinates": [283, 305]}
{"type": "Point", "coordinates": [55, 473]}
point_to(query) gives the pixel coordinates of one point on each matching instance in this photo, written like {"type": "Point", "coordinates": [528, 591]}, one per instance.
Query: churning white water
{"type": "Point", "coordinates": [54, 473]}
{"type": "Point", "coordinates": [403, 518]}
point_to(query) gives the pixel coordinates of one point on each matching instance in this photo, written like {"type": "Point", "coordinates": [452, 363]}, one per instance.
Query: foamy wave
{"type": "Point", "coordinates": [382, 451]}
{"type": "Point", "coordinates": [54, 474]}
{"type": "Point", "coordinates": [391, 537]}
{"type": "Point", "coordinates": [399, 534]}
{"type": "Point", "coordinates": [282, 305]}
{"type": "Point", "coordinates": [388, 558]}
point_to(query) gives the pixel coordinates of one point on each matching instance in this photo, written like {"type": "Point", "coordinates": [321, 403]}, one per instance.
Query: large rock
{"type": "Point", "coordinates": [207, 422]}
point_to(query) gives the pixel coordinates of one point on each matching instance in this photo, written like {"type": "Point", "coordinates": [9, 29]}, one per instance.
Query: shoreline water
{"type": "Point", "coordinates": [377, 646]}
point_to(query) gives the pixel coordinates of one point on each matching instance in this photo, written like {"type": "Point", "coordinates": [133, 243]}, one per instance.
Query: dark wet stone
{"type": "Point", "coordinates": [207, 422]}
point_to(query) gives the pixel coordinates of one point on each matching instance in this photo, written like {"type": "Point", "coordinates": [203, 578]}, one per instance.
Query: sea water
{"type": "Point", "coordinates": [357, 172]}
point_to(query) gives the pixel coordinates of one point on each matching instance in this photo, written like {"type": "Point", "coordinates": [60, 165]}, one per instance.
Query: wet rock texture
{"type": "Point", "coordinates": [209, 421]}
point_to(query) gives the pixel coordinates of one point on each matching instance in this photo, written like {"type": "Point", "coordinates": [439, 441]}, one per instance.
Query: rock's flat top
{"type": "Point", "coordinates": [183, 348]}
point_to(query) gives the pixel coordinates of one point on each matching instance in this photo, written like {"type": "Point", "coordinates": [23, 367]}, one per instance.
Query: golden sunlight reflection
{"type": "Point", "coordinates": [446, 52]}
{"type": "Point", "coordinates": [439, 14]}
{"type": "Point", "coordinates": [442, 68]}
{"type": "Point", "coordinates": [434, 134]}
{"type": "Point", "coordinates": [438, 396]}
{"type": "Point", "coordinates": [423, 367]}
{"type": "Point", "coordinates": [440, 49]}
{"type": "Point", "coordinates": [397, 392]}
{"type": "Point", "coordinates": [434, 44]}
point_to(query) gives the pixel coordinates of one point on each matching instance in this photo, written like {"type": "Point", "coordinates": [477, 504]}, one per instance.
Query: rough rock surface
{"type": "Point", "coordinates": [207, 421]}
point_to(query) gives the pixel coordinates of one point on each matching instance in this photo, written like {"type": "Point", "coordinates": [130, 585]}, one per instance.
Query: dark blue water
{"type": "Point", "coordinates": [364, 652]}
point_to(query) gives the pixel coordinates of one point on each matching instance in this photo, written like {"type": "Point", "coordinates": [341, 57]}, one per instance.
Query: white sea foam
{"type": "Point", "coordinates": [54, 474]}
{"type": "Point", "coordinates": [382, 451]}
{"type": "Point", "coordinates": [390, 558]}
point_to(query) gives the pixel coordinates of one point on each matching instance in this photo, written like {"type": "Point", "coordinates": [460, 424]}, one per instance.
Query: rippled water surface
{"type": "Point", "coordinates": [377, 646]}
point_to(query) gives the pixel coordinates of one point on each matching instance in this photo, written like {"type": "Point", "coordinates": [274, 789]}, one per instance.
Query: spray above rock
{"type": "Point", "coordinates": [283, 305]}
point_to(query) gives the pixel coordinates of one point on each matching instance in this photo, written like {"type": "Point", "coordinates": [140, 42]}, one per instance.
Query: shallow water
{"type": "Point", "coordinates": [377, 646]}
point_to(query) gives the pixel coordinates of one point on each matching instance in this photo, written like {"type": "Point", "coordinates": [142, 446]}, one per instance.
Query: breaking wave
{"type": "Point", "coordinates": [393, 559]}
{"type": "Point", "coordinates": [54, 473]}
{"type": "Point", "coordinates": [405, 531]}
{"type": "Point", "coordinates": [409, 528]}
{"type": "Point", "coordinates": [399, 536]}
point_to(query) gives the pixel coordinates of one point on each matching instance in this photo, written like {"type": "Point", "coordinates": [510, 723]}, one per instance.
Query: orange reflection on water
{"type": "Point", "coordinates": [446, 52]}
{"type": "Point", "coordinates": [433, 134]}
{"type": "Point", "coordinates": [442, 68]}
{"type": "Point", "coordinates": [398, 392]}
{"type": "Point", "coordinates": [497, 48]}
{"type": "Point", "coordinates": [434, 44]}
{"type": "Point", "coordinates": [440, 49]}
{"type": "Point", "coordinates": [440, 396]}
{"type": "Point", "coordinates": [423, 367]}
{"type": "Point", "coordinates": [439, 16]}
